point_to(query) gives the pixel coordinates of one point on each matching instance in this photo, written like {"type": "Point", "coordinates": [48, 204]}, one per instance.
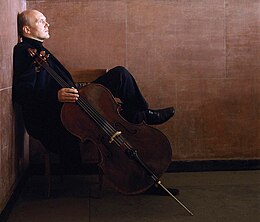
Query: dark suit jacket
{"type": "Point", "coordinates": [35, 91]}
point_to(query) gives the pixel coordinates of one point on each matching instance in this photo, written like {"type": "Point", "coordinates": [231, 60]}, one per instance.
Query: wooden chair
{"type": "Point", "coordinates": [83, 77]}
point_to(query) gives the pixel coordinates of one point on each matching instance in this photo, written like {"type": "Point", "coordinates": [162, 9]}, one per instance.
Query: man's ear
{"type": "Point", "coordinates": [26, 29]}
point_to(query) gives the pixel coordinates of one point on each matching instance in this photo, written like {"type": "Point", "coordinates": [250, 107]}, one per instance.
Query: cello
{"type": "Point", "coordinates": [133, 156]}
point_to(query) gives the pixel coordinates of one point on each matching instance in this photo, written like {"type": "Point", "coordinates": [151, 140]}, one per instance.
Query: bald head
{"type": "Point", "coordinates": [24, 19]}
{"type": "Point", "coordinates": [32, 24]}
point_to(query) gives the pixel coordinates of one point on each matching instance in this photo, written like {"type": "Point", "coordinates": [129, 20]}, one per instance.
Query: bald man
{"type": "Point", "coordinates": [41, 97]}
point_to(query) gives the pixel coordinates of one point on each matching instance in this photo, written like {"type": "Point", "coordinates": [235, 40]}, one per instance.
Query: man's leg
{"type": "Point", "coordinates": [135, 108]}
{"type": "Point", "coordinates": [122, 85]}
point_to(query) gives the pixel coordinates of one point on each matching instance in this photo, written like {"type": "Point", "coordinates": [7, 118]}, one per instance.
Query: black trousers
{"type": "Point", "coordinates": [122, 85]}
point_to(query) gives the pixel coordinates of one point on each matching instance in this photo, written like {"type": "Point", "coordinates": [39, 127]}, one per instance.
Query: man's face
{"type": "Point", "coordinates": [38, 28]}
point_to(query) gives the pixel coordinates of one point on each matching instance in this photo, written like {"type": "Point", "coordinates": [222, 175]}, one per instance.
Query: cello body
{"type": "Point", "coordinates": [124, 173]}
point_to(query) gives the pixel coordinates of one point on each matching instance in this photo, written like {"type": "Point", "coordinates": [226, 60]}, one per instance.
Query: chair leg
{"type": "Point", "coordinates": [100, 174]}
{"type": "Point", "coordinates": [100, 179]}
{"type": "Point", "coordinates": [48, 172]}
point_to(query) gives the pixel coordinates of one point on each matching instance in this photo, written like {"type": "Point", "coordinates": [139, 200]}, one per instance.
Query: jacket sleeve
{"type": "Point", "coordinates": [25, 90]}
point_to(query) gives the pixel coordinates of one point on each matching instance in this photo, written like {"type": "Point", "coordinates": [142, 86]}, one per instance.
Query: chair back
{"type": "Point", "coordinates": [83, 77]}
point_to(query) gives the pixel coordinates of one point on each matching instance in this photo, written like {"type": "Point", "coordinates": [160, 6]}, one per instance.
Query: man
{"type": "Point", "coordinates": [41, 97]}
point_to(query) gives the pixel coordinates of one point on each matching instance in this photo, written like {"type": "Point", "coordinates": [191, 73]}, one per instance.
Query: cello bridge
{"type": "Point", "coordinates": [115, 135]}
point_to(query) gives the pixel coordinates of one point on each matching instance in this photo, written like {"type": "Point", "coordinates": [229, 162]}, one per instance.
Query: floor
{"type": "Point", "coordinates": [211, 196]}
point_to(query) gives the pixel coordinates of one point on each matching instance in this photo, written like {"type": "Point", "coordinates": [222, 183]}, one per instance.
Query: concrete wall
{"type": "Point", "coordinates": [201, 56]}
{"type": "Point", "coordinates": [13, 143]}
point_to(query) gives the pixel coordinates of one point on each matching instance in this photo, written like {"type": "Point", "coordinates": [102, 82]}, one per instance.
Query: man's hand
{"type": "Point", "coordinates": [67, 95]}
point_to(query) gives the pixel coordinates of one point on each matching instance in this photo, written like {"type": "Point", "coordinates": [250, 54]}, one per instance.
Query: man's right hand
{"type": "Point", "coordinates": [68, 95]}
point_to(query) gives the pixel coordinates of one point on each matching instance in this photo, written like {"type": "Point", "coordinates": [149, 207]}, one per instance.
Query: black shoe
{"type": "Point", "coordinates": [159, 116]}
{"type": "Point", "coordinates": [161, 192]}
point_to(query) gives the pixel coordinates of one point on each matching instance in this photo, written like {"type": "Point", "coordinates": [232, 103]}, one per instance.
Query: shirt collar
{"type": "Point", "coordinates": [35, 43]}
